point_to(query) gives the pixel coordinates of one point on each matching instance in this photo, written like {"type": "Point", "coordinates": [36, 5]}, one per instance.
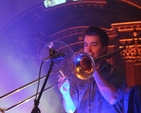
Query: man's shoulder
{"type": "Point", "coordinates": [113, 67]}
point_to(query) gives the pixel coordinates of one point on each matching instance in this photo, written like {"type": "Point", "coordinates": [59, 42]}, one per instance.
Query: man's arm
{"type": "Point", "coordinates": [107, 90]}
{"type": "Point", "coordinates": [64, 87]}
{"type": "Point", "coordinates": [68, 104]}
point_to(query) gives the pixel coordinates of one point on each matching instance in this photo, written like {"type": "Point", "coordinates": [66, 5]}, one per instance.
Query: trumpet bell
{"type": "Point", "coordinates": [84, 65]}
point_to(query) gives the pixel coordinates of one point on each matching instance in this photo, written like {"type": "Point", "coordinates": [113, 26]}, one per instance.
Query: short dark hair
{"type": "Point", "coordinates": [92, 30]}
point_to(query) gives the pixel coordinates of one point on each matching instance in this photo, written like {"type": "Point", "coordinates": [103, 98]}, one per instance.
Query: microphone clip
{"type": "Point", "coordinates": [55, 55]}
{"type": "Point", "coordinates": [52, 52]}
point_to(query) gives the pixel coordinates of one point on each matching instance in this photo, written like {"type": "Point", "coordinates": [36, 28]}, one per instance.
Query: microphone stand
{"type": "Point", "coordinates": [36, 101]}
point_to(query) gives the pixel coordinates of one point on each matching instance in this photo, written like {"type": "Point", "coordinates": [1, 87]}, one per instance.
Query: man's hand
{"type": "Point", "coordinates": [64, 85]}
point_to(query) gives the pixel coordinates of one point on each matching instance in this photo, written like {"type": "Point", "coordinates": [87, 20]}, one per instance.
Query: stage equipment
{"type": "Point", "coordinates": [59, 54]}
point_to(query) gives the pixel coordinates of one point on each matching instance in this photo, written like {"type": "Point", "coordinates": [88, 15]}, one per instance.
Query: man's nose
{"type": "Point", "coordinates": [89, 49]}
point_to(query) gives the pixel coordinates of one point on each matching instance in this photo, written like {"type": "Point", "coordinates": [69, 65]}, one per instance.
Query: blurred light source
{"type": "Point", "coordinates": [50, 3]}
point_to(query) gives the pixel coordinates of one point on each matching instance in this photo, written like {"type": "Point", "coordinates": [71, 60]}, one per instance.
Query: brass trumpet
{"type": "Point", "coordinates": [83, 69]}
{"type": "Point", "coordinates": [85, 64]}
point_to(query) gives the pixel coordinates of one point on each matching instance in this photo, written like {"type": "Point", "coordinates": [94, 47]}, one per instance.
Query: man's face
{"type": "Point", "coordinates": [92, 45]}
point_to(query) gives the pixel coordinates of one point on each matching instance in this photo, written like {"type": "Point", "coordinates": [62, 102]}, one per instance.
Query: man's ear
{"type": "Point", "coordinates": [105, 49]}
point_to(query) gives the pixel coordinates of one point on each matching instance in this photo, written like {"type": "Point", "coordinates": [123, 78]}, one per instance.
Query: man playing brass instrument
{"type": "Point", "coordinates": [104, 91]}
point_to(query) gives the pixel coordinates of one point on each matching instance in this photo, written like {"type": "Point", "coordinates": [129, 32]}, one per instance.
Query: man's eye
{"type": "Point", "coordinates": [94, 45]}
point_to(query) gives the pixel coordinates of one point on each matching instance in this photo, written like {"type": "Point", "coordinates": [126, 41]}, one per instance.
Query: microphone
{"type": "Point", "coordinates": [55, 55]}
{"type": "Point", "coordinates": [58, 56]}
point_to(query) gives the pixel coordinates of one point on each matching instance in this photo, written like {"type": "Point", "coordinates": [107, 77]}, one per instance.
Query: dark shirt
{"type": "Point", "coordinates": [134, 105]}
{"type": "Point", "coordinates": [87, 96]}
